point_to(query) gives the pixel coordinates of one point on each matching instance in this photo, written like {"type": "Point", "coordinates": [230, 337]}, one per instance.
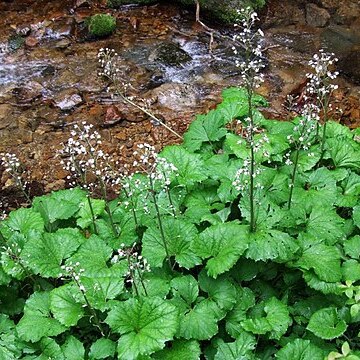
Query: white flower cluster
{"type": "Point", "coordinates": [74, 271]}
{"type": "Point", "coordinates": [252, 63]}
{"type": "Point", "coordinates": [319, 81]}
{"type": "Point", "coordinates": [137, 264]}
{"type": "Point", "coordinates": [14, 168]}
{"type": "Point", "coordinates": [84, 156]}
{"type": "Point", "coordinates": [106, 58]}
{"type": "Point", "coordinates": [242, 177]}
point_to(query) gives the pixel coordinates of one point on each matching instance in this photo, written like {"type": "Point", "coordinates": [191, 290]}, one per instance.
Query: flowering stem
{"type": "Point", "coordinates": [107, 207]}
{"type": "Point", "coordinates": [142, 281]}
{"type": "Point", "coordinates": [252, 162]}
{"type": "Point", "coordinates": [296, 161]}
{"type": "Point", "coordinates": [152, 190]}
{"type": "Point", "coordinates": [92, 213]}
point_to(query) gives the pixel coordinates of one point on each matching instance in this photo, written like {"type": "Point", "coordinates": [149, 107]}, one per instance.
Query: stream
{"type": "Point", "coordinates": [50, 82]}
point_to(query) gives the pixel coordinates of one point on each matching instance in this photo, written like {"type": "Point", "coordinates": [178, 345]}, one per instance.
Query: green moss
{"type": "Point", "coordinates": [15, 42]}
{"type": "Point", "coordinates": [222, 10]}
{"type": "Point", "coordinates": [101, 25]}
{"type": "Point", "coordinates": [117, 3]}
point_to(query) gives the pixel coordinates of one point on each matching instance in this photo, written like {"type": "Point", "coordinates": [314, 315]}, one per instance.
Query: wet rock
{"type": "Point", "coordinates": [176, 96]}
{"type": "Point", "coordinates": [82, 3]}
{"type": "Point", "coordinates": [31, 41]}
{"type": "Point", "coordinates": [27, 93]}
{"type": "Point", "coordinates": [280, 13]}
{"type": "Point", "coordinates": [62, 28]}
{"type": "Point", "coordinates": [63, 44]}
{"type": "Point", "coordinates": [6, 119]}
{"type": "Point", "coordinates": [350, 65]}
{"type": "Point", "coordinates": [112, 116]}
{"type": "Point", "coordinates": [68, 102]}
{"type": "Point", "coordinates": [49, 70]}
{"type": "Point", "coordinates": [316, 16]}
{"type": "Point", "coordinates": [170, 54]}
{"type": "Point", "coordinates": [339, 39]}
{"type": "Point", "coordinates": [23, 30]}
{"type": "Point", "coordinates": [347, 12]}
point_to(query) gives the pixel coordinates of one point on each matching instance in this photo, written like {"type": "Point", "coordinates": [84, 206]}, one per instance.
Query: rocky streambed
{"type": "Point", "coordinates": [49, 66]}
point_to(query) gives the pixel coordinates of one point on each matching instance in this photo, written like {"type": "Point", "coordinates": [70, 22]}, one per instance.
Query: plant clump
{"type": "Point", "coordinates": [101, 25]}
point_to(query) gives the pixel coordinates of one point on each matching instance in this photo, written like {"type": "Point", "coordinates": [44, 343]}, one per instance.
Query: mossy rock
{"type": "Point", "coordinates": [118, 3]}
{"type": "Point", "coordinates": [101, 25]}
{"type": "Point", "coordinates": [224, 10]}
{"type": "Point", "coordinates": [170, 54]}
{"type": "Point", "coordinates": [15, 42]}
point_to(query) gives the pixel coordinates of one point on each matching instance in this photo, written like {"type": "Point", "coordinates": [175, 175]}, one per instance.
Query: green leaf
{"type": "Point", "coordinates": [325, 260]}
{"type": "Point", "coordinates": [66, 304]}
{"type": "Point", "coordinates": [245, 301]}
{"type": "Point", "coordinates": [306, 162]}
{"type": "Point", "coordinates": [50, 349]}
{"type": "Point", "coordinates": [276, 321]}
{"type": "Point", "coordinates": [145, 325]}
{"type": "Point", "coordinates": [271, 245]}
{"type": "Point", "coordinates": [241, 348]}
{"type": "Point", "coordinates": [199, 322]}
{"type": "Point", "coordinates": [60, 205]}
{"type": "Point", "coordinates": [326, 225]}
{"type": "Point", "coordinates": [37, 321]}
{"type": "Point", "coordinates": [325, 287]}
{"type": "Point", "coordinates": [92, 255]}
{"type": "Point", "coordinates": [300, 349]}
{"type": "Point", "coordinates": [356, 215]}
{"type": "Point", "coordinates": [326, 324]}
{"type": "Point", "coordinates": [179, 234]}
{"type": "Point", "coordinates": [22, 220]}
{"type": "Point", "coordinates": [220, 290]}
{"type": "Point", "coordinates": [102, 349]}
{"type": "Point", "coordinates": [190, 166]}
{"type": "Point", "coordinates": [185, 287]}
{"type": "Point", "coordinates": [351, 270]}
{"type": "Point", "coordinates": [104, 285]}
{"type": "Point", "coordinates": [350, 191]}
{"type": "Point", "coordinates": [73, 349]}
{"type": "Point", "coordinates": [344, 153]}
{"type": "Point", "coordinates": [180, 350]}
{"type": "Point", "coordinates": [85, 214]}
{"type": "Point", "coordinates": [45, 252]}
{"type": "Point", "coordinates": [206, 128]}
{"type": "Point", "coordinates": [352, 247]}
{"type": "Point", "coordinates": [223, 244]}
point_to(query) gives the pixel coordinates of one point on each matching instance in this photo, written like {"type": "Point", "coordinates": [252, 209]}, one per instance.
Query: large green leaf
{"type": "Point", "coordinates": [276, 321]}
{"type": "Point", "coordinates": [223, 244]}
{"type": "Point", "coordinates": [66, 303]}
{"type": "Point", "coordinates": [241, 349]}
{"type": "Point", "coordinates": [344, 153]}
{"type": "Point", "coordinates": [220, 290]}
{"type": "Point", "coordinates": [351, 270]}
{"type": "Point", "coordinates": [180, 350]}
{"type": "Point", "coordinates": [190, 166]}
{"type": "Point", "coordinates": [37, 321]}
{"type": "Point", "coordinates": [145, 325]}
{"type": "Point", "coordinates": [300, 349]}
{"type": "Point", "coordinates": [185, 287]}
{"type": "Point", "coordinates": [271, 245]}
{"type": "Point", "coordinates": [350, 191]}
{"type": "Point", "coordinates": [324, 259]}
{"type": "Point", "coordinates": [102, 349]}
{"type": "Point", "coordinates": [73, 349]}
{"type": "Point", "coordinates": [325, 287]}
{"type": "Point", "coordinates": [50, 349]}
{"type": "Point", "coordinates": [179, 234]}
{"type": "Point", "coordinates": [45, 252]}
{"type": "Point", "coordinates": [356, 215]}
{"type": "Point", "coordinates": [85, 218]}
{"type": "Point", "coordinates": [22, 220]}
{"type": "Point", "coordinates": [206, 128]}
{"type": "Point", "coordinates": [104, 285]}
{"type": "Point", "coordinates": [60, 205]}
{"type": "Point", "coordinates": [326, 324]}
{"type": "Point", "coordinates": [352, 247]}
{"type": "Point", "coordinates": [92, 255]}
{"type": "Point", "coordinates": [200, 321]}
{"type": "Point", "coordinates": [245, 301]}
{"type": "Point", "coordinates": [325, 225]}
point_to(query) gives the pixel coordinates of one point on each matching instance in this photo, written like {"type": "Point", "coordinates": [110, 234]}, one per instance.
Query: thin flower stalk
{"type": "Point", "coordinates": [320, 85]}
{"type": "Point", "coordinates": [302, 139]}
{"type": "Point", "coordinates": [250, 65]}
{"type": "Point", "coordinates": [109, 70]}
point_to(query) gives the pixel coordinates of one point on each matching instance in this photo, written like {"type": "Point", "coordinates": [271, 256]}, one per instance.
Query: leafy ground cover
{"type": "Point", "coordinates": [183, 275]}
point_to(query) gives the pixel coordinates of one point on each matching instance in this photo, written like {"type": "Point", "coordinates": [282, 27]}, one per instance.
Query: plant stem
{"type": "Point", "coordinates": [107, 207]}
{"type": "Point", "coordinates": [293, 177]}
{"type": "Point", "coordinates": [152, 190]}
{"type": "Point", "coordinates": [92, 213]}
